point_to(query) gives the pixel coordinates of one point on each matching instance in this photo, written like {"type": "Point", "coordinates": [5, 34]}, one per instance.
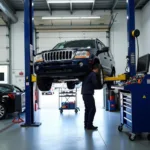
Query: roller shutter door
{"type": "Point", "coordinates": [46, 41]}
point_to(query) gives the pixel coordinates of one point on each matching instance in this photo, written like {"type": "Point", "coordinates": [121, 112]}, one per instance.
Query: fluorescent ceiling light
{"type": "Point", "coordinates": [70, 1]}
{"type": "Point", "coordinates": [70, 18]}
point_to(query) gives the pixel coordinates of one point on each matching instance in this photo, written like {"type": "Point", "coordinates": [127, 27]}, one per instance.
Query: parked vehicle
{"type": "Point", "coordinates": [73, 60]}
{"type": "Point", "coordinates": [7, 99]}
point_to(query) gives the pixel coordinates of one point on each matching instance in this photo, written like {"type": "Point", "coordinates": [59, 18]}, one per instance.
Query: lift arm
{"type": "Point", "coordinates": [121, 77]}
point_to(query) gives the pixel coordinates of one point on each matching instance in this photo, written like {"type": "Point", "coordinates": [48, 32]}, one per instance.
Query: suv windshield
{"type": "Point", "coordinates": [73, 44]}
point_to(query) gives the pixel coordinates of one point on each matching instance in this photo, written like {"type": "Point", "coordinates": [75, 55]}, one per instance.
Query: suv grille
{"type": "Point", "coordinates": [58, 55]}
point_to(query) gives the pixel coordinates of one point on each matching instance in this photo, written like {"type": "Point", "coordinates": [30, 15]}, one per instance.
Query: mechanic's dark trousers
{"type": "Point", "coordinates": [90, 110]}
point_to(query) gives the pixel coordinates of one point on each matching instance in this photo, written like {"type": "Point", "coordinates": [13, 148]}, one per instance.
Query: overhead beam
{"type": "Point", "coordinates": [93, 5]}
{"type": "Point", "coordinates": [71, 10]}
{"type": "Point", "coordinates": [138, 3]}
{"type": "Point", "coordinates": [114, 5]}
{"type": "Point", "coordinates": [8, 11]}
{"type": "Point", "coordinates": [10, 6]}
{"type": "Point", "coordinates": [49, 7]}
{"type": "Point", "coordinates": [6, 20]}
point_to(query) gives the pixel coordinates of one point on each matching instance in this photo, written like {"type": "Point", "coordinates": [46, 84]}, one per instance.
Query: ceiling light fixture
{"type": "Point", "coordinates": [70, 1]}
{"type": "Point", "coordinates": [70, 18]}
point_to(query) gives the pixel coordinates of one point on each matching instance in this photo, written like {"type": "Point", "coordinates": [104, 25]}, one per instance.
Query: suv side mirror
{"type": "Point", "coordinates": [104, 50]}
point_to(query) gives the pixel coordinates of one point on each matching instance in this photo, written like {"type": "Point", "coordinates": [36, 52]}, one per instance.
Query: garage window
{"type": "Point", "coordinates": [1, 76]}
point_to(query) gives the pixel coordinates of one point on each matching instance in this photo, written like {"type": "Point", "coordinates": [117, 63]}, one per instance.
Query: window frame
{"type": "Point", "coordinates": [102, 44]}
{"type": "Point", "coordinates": [15, 87]}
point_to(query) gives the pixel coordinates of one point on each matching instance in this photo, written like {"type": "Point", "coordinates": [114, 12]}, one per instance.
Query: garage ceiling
{"type": "Point", "coordinates": [97, 5]}
{"type": "Point", "coordinates": [102, 23]}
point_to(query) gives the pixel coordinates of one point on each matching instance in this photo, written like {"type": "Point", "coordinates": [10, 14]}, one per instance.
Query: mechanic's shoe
{"type": "Point", "coordinates": [92, 128]}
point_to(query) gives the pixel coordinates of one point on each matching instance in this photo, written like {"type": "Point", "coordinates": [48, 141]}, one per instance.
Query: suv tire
{"type": "Point", "coordinates": [70, 85]}
{"type": "Point", "coordinates": [44, 83]}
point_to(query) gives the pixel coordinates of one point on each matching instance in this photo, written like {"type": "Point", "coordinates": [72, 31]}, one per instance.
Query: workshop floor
{"type": "Point", "coordinates": [66, 132]}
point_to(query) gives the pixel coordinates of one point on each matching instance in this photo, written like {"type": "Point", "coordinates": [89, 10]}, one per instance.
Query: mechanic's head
{"type": "Point", "coordinates": [96, 68]}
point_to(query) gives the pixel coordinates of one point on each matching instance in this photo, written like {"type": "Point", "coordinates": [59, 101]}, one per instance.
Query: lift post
{"type": "Point", "coordinates": [131, 44]}
{"type": "Point", "coordinates": [131, 40]}
{"type": "Point", "coordinates": [28, 40]}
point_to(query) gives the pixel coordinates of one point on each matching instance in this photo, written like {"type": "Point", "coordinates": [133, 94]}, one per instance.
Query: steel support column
{"type": "Point", "coordinates": [10, 55]}
{"type": "Point", "coordinates": [131, 39]}
{"type": "Point", "coordinates": [28, 40]}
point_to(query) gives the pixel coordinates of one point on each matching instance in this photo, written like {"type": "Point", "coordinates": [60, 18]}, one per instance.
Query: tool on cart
{"type": "Point", "coordinates": [68, 100]}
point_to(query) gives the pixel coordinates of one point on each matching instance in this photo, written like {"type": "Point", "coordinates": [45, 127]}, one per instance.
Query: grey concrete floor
{"type": "Point", "coordinates": [66, 132]}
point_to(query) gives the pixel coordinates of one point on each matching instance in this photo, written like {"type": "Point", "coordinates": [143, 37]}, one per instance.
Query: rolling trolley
{"type": "Point", "coordinates": [135, 108]}
{"type": "Point", "coordinates": [68, 100]}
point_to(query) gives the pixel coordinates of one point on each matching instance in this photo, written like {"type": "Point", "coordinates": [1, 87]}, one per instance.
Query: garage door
{"type": "Point", "coordinates": [4, 45]}
{"type": "Point", "coordinates": [48, 40]}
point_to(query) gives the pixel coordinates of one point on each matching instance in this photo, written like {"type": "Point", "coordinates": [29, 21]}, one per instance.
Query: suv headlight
{"type": "Point", "coordinates": [82, 54]}
{"type": "Point", "coordinates": [38, 58]}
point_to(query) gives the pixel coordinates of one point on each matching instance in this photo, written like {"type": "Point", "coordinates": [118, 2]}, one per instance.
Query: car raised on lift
{"type": "Point", "coordinates": [70, 61]}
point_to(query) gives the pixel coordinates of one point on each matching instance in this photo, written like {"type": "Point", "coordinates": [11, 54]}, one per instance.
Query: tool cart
{"type": "Point", "coordinates": [68, 100]}
{"type": "Point", "coordinates": [135, 107]}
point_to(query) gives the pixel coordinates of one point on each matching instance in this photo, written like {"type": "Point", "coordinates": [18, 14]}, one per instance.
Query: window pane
{"type": "Point", "coordinates": [16, 89]}
{"type": "Point", "coordinates": [80, 43]}
{"type": "Point", "coordinates": [5, 88]}
{"type": "Point", "coordinates": [99, 46]}
{"type": "Point", "coordinates": [1, 76]}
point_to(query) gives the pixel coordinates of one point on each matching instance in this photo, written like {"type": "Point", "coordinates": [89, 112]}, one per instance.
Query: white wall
{"type": "Point", "coordinates": [145, 21]}
{"type": "Point", "coordinates": [119, 39]}
{"type": "Point", "coordinates": [17, 37]}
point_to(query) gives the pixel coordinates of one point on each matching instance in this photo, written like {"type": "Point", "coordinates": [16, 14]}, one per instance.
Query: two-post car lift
{"type": "Point", "coordinates": [28, 40]}
{"type": "Point", "coordinates": [29, 52]}
{"type": "Point", "coordinates": [135, 96]}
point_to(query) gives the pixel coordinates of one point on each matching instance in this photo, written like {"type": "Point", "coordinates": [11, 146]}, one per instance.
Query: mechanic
{"type": "Point", "coordinates": [90, 83]}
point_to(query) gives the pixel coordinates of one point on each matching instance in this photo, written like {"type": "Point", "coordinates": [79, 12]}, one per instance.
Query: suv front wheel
{"type": "Point", "coordinates": [44, 83]}
{"type": "Point", "coordinates": [70, 85]}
